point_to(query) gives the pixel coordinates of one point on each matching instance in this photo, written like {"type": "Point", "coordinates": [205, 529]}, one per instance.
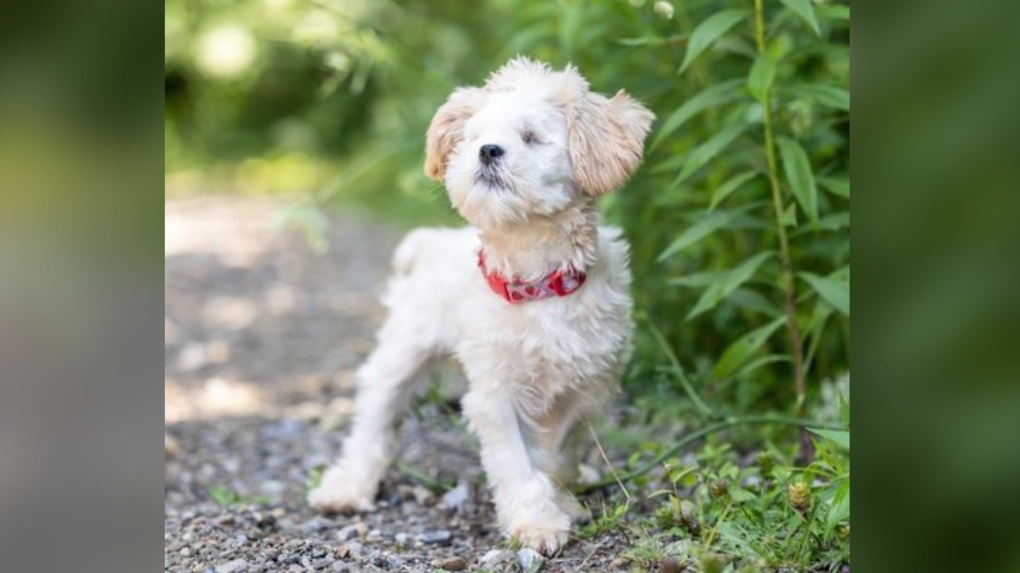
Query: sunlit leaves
{"type": "Point", "coordinates": [709, 31]}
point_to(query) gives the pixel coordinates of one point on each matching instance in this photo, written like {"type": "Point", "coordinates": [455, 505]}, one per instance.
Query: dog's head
{"type": "Point", "coordinates": [531, 142]}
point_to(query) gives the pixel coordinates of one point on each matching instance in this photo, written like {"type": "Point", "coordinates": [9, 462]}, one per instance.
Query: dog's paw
{"type": "Point", "coordinates": [545, 538]}
{"type": "Point", "coordinates": [339, 493]}
{"type": "Point", "coordinates": [340, 500]}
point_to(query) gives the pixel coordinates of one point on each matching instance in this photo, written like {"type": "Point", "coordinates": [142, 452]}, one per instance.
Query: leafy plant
{"type": "Point", "coordinates": [718, 510]}
{"type": "Point", "coordinates": [609, 519]}
{"type": "Point", "coordinates": [776, 247]}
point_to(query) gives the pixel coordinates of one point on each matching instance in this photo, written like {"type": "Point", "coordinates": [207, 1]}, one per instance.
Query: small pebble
{"type": "Point", "coordinates": [457, 497]}
{"type": "Point", "coordinates": [353, 531]}
{"type": "Point", "coordinates": [431, 537]}
{"type": "Point", "coordinates": [422, 495]}
{"type": "Point", "coordinates": [235, 566]}
{"type": "Point", "coordinates": [316, 524]}
{"type": "Point", "coordinates": [356, 549]}
{"type": "Point", "coordinates": [497, 557]}
{"type": "Point", "coordinates": [530, 560]}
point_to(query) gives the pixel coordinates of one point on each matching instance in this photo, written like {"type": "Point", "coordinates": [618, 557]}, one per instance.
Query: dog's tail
{"type": "Point", "coordinates": [407, 252]}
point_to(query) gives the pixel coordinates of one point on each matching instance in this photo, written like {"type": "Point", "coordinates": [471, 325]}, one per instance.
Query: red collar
{"type": "Point", "coordinates": [558, 283]}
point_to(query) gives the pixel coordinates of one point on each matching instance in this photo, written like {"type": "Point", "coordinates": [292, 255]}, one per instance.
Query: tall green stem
{"type": "Point", "coordinates": [789, 286]}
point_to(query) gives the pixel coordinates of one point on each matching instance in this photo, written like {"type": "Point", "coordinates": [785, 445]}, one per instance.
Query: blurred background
{"type": "Point", "coordinates": [328, 101]}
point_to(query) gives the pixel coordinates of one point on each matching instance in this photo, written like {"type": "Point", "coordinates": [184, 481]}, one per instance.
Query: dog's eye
{"type": "Point", "coordinates": [529, 137]}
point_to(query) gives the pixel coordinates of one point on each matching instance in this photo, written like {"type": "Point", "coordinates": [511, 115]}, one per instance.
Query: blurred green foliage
{"type": "Point", "coordinates": [750, 150]}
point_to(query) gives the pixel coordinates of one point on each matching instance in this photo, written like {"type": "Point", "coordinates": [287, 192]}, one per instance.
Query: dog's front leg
{"type": "Point", "coordinates": [525, 495]}
{"type": "Point", "coordinates": [353, 481]}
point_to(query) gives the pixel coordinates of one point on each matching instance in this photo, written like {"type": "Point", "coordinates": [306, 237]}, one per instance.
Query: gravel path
{"type": "Point", "coordinates": [261, 339]}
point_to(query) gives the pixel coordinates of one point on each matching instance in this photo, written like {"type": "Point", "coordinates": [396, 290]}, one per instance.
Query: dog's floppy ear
{"type": "Point", "coordinates": [606, 139]}
{"type": "Point", "coordinates": [447, 127]}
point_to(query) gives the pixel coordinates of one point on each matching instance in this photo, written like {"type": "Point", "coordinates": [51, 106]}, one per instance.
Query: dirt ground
{"type": "Point", "coordinates": [262, 336]}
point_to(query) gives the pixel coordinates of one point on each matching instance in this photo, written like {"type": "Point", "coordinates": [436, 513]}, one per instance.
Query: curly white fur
{"type": "Point", "coordinates": [535, 369]}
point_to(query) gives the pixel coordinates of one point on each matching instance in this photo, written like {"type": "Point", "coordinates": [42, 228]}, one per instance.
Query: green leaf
{"type": "Point", "coordinates": [840, 510]}
{"type": "Point", "coordinates": [698, 280]}
{"type": "Point", "coordinates": [841, 274]}
{"type": "Point", "coordinates": [760, 362]}
{"type": "Point", "coordinates": [797, 168]}
{"type": "Point", "coordinates": [648, 41]}
{"type": "Point", "coordinates": [827, 95]}
{"type": "Point", "coordinates": [223, 495]}
{"type": "Point", "coordinates": [698, 231]}
{"type": "Point", "coordinates": [834, 11]}
{"type": "Point", "coordinates": [751, 299]}
{"type": "Point", "coordinates": [759, 79]}
{"type": "Point", "coordinates": [815, 327]}
{"type": "Point", "coordinates": [728, 283]}
{"type": "Point", "coordinates": [839, 437]}
{"type": "Point", "coordinates": [835, 221]}
{"type": "Point", "coordinates": [831, 222]}
{"type": "Point", "coordinates": [709, 31]}
{"type": "Point", "coordinates": [836, 186]}
{"type": "Point", "coordinates": [704, 153]}
{"type": "Point", "coordinates": [844, 410]}
{"type": "Point", "coordinates": [788, 218]}
{"type": "Point", "coordinates": [804, 9]}
{"type": "Point", "coordinates": [743, 348]}
{"type": "Point", "coordinates": [832, 290]}
{"type": "Point", "coordinates": [727, 188]}
{"type": "Point", "coordinates": [713, 96]}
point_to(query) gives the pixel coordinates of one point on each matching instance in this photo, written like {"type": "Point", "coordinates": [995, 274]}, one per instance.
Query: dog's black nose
{"type": "Point", "coordinates": [489, 153]}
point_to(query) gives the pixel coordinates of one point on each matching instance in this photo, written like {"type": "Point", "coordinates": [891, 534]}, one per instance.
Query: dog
{"type": "Point", "coordinates": [532, 299]}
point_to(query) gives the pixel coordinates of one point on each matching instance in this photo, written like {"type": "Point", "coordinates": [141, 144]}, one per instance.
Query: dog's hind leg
{"type": "Point", "coordinates": [383, 394]}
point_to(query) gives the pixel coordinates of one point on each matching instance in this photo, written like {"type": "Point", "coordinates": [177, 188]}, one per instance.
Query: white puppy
{"type": "Point", "coordinates": [533, 300]}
